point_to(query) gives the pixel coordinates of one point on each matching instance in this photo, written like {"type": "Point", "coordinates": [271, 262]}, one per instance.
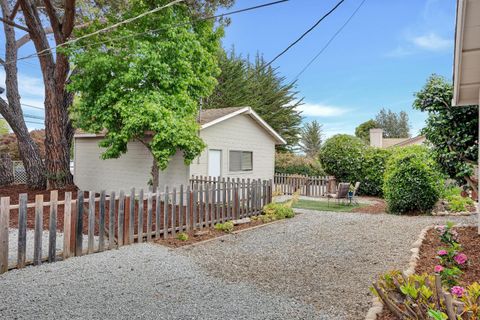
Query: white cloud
{"type": "Point", "coordinates": [432, 42]}
{"type": "Point", "coordinates": [399, 52]}
{"type": "Point", "coordinates": [27, 85]}
{"type": "Point", "coordinates": [321, 110]}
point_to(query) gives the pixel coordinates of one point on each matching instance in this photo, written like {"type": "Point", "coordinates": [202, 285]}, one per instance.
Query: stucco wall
{"type": "Point", "coordinates": [130, 170]}
{"type": "Point", "coordinates": [239, 133]}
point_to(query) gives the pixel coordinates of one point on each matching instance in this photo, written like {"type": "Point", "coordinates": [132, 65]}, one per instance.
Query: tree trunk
{"type": "Point", "coordinates": [155, 174]}
{"type": "Point", "coordinates": [13, 114]}
{"type": "Point", "coordinates": [6, 170]}
{"type": "Point", "coordinates": [57, 143]}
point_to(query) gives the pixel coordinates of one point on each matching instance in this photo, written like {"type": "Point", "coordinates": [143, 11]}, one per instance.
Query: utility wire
{"type": "Point", "coordinates": [305, 33]}
{"type": "Point", "coordinates": [329, 41]}
{"type": "Point", "coordinates": [30, 106]}
{"type": "Point", "coordinates": [44, 52]}
{"type": "Point", "coordinates": [33, 116]}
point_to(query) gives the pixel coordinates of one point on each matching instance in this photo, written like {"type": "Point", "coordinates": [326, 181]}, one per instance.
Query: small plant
{"type": "Point", "coordinates": [182, 236]}
{"type": "Point", "coordinates": [458, 203]}
{"type": "Point", "coordinates": [422, 297]}
{"type": "Point", "coordinates": [225, 227]}
{"type": "Point", "coordinates": [447, 235]}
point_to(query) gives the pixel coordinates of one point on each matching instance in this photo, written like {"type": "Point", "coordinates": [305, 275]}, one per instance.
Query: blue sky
{"type": "Point", "coordinates": [379, 60]}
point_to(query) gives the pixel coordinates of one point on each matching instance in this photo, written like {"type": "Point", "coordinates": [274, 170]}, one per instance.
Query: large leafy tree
{"type": "Point", "coordinates": [452, 131]}
{"type": "Point", "coordinates": [311, 138]}
{"type": "Point", "coordinates": [245, 83]}
{"type": "Point", "coordinates": [363, 130]}
{"type": "Point", "coordinates": [146, 86]}
{"type": "Point", "coordinates": [394, 125]}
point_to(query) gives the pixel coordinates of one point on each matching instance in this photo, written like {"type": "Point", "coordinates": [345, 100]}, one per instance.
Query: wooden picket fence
{"type": "Point", "coordinates": [288, 184]}
{"type": "Point", "coordinates": [94, 222]}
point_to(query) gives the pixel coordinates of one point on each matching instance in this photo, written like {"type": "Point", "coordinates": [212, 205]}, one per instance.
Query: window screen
{"type": "Point", "coordinates": [241, 161]}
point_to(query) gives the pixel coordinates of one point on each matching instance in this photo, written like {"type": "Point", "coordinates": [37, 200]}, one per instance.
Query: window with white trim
{"type": "Point", "coordinates": [240, 161]}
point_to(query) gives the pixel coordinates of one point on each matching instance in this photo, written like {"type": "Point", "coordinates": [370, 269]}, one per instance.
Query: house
{"type": "Point", "coordinates": [240, 144]}
{"type": "Point", "coordinates": [377, 140]}
{"type": "Point", "coordinates": [466, 62]}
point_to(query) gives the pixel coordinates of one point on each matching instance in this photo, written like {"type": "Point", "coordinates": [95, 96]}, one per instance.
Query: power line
{"type": "Point", "coordinates": [30, 106]}
{"type": "Point", "coordinates": [106, 28]}
{"type": "Point", "coordinates": [33, 122]}
{"type": "Point", "coordinates": [33, 116]}
{"type": "Point", "coordinates": [44, 52]}
{"type": "Point", "coordinates": [329, 41]}
{"type": "Point", "coordinates": [305, 33]}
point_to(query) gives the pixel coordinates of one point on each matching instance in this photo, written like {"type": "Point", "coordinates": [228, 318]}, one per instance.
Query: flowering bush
{"type": "Point", "coordinates": [447, 235]}
{"type": "Point", "coordinates": [458, 291]}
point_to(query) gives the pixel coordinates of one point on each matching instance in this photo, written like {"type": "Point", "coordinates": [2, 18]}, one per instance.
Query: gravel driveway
{"type": "Point", "coordinates": [316, 266]}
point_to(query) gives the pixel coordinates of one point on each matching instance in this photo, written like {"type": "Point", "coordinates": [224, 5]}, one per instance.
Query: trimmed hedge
{"type": "Point", "coordinates": [373, 170]}
{"type": "Point", "coordinates": [412, 181]}
{"type": "Point", "coordinates": [289, 163]}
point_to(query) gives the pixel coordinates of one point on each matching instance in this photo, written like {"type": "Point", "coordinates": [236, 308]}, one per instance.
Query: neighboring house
{"type": "Point", "coordinates": [239, 144]}
{"type": "Point", "coordinates": [377, 140]}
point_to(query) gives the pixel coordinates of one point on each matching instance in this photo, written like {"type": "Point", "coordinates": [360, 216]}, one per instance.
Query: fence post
{"type": "Point", "coordinates": [149, 216]}
{"type": "Point", "coordinates": [201, 204]}
{"type": "Point", "coordinates": [67, 226]}
{"type": "Point", "coordinates": [111, 221]}
{"type": "Point", "coordinates": [121, 218]}
{"type": "Point", "coordinates": [140, 217]}
{"type": "Point", "coordinates": [37, 249]}
{"type": "Point", "coordinates": [4, 222]}
{"type": "Point", "coordinates": [165, 214]}
{"type": "Point", "coordinates": [101, 222]}
{"type": "Point", "coordinates": [52, 232]}
{"type": "Point", "coordinates": [174, 211]}
{"type": "Point", "coordinates": [157, 213]}
{"type": "Point", "coordinates": [194, 206]}
{"type": "Point", "coordinates": [79, 231]}
{"type": "Point", "coordinates": [189, 209]}
{"type": "Point", "coordinates": [207, 204]}
{"type": "Point", "coordinates": [131, 217]}
{"type": "Point", "coordinates": [22, 230]}
{"type": "Point", "coordinates": [181, 210]}
{"type": "Point", "coordinates": [91, 221]}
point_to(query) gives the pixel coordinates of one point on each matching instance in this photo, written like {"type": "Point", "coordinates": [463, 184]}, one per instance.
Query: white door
{"type": "Point", "coordinates": [215, 163]}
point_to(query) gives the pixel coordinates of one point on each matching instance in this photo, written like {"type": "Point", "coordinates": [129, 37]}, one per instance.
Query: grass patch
{"type": "Point", "coordinates": [324, 206]}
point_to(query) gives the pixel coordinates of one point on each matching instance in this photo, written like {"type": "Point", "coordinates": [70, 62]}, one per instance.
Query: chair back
{"type": "Point", "coordinates": [342, 191]}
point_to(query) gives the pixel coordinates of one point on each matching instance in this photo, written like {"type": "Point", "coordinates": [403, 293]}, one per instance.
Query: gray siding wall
{"type": "Point", "coordinates": [240, 133]}
{"type": "Point", "coordinates": [130, 170]}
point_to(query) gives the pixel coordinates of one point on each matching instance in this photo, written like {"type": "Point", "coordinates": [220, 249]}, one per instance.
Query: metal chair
{"type": "Point", "coordinates": [342, 193]}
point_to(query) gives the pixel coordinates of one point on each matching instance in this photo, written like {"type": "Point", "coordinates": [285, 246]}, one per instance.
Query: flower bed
{"type": "Point", "coordinates": [451, 258]}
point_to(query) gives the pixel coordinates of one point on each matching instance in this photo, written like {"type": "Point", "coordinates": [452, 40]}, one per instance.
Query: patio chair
{"type": "Point", "coordinates": [342, 193]}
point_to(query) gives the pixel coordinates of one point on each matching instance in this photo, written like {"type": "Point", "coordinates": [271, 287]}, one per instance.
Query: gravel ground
{"type": "Point", "coordinates": [316, 266]}
{"type": "Point", "coordinates": [13, 244]}
{"type": "Point", "coordinates": [327, 260]}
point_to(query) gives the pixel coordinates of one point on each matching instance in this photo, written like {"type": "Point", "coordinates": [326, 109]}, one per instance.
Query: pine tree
{"type": "Point", "coordinates": [243, 83]}
{"type": "Point", "coordinates": [311, 139]}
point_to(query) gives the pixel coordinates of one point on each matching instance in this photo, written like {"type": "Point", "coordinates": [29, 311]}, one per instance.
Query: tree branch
{"type": "Point", "coordinates": [26, 37]}
{"type": "Point", "coordinates": [13, 24]}
{"type": "Point", "coordinates": [56, 27]}
{"type": "Point", "coordinates": [68, 18]}
{"type": "Point", "coordinates": [14, 10]}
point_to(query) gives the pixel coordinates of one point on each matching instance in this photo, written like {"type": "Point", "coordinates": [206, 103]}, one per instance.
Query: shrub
{"type": "Point", "coordinates": [277, 211]}
{"type": "Point", "coordinates": [182, 236]}
{"type": "Point", "coordinates": [373, 170]}
{"type": "Point", "coordinates": [412, 181]}
{"type": "Point", "coordinates": [459, 203]}
{"type": "Point", "coordinates": [225, 227]}
{"type": "Point", "coordinates": [342, 156]}
{"type": "Point", "coordinates": [289, 163]}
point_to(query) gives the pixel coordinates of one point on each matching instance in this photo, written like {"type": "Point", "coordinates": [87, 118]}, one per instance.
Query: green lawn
{"type": "Point", "coordinates": [324, 206]}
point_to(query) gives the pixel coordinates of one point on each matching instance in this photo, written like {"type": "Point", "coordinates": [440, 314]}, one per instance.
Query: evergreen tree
{"type": "Point", "coordinates": [311, 139]}
{"type": "Point", "coordinates": [243, 83]}
{"type": "Point", "coordinates": [394, 125]}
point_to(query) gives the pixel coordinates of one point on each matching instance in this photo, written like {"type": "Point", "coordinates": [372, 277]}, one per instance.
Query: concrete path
{"type": "Point", "coordinates": [315, 266]}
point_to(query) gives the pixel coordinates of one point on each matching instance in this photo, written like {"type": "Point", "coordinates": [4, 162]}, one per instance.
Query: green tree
{"type": "Point", "coordinates": [311, 139]}
{"type": "Point", "coordinates": [147, 87]}
{"type": "Point", "coordinates": [363, 130]}
{"type": "Point", "coordinates": [4, 127]}
{"type": "Point", "coordinates": [342, 157]}
{"type": "Point", "coordinates": [243, 83]}
{"type": "Point", "coordinates": [452, 131]}
{"type": "Point", "coordinates": [394, 125]}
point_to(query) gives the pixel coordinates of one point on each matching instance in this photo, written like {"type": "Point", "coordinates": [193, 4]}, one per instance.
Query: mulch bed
{"type": "Point", "coordinates": [379, 206]}
{"type": "Point", "coordinates": [210, 233]}
{"type": "Point", "coordinates": [470, 241]}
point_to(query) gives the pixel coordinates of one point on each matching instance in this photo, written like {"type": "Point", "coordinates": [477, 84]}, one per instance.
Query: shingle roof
{"type": "Point", "coordinates": [209, 115]}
